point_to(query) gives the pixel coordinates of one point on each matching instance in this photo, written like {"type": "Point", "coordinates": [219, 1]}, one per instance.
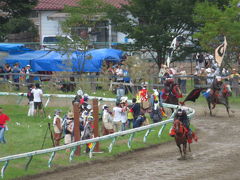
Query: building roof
{"type": "Point", "coordinates": [59, 4]}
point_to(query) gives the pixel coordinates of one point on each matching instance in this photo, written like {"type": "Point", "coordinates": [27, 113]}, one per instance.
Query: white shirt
{"type": "Point", "coordinates": [37, 95]}
{"type": "Point", "coordinates": [106, 117]}
{"type": "Point", "coordinates": [117, 114]}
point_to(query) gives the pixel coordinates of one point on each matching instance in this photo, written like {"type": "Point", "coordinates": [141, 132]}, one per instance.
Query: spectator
{"type": "Point", "coordinates": [30, 102]}
{"type": "Point", "coordinates": [136, 108]}
{"type": "Point", "coordinates": [202, 77]}
{"type": "Point", "coordinates": [57, 127]}
{"type": "Point", "coordinates": [37, 99]}
{"type": "Point", "coordinates": [183, 80]}
{"type": "Point", "coordinates": [139, 121]}
{"type": "Point", "coordinates": [3, 119]}
{"type": "Point", "coordinates": [22, 76]}
{"type": "Point", "coordinates": [28, 71]}
{"type": "Point", "coordinates": [7, 69]}
{"type": "Point", "coordinates": [117, 115]}
{"type": "Point", "coordinates": [119, 73]}
{"type": "Point", "coordinates": [107, 119]}
{"type": "Point", "coordinates": [69, 129]}
{"type": "Point", "coordinates": [1, 72]}
{"type": "Point", "coordinates": [124, 107]}
{"type": "Point", "coordinates": [162, 72]}
{"type": "Point", "coordinates": [156, 104]}
{"type": "Point", "coordinates": [16, 76]}
{"type": "Point", "coordinates": [234, 79]}
{"type": "Point", "coordinates": [88, 132]}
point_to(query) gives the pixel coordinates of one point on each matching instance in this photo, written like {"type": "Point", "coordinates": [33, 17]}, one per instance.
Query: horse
{"type": "Point", "coordinates": [219, 97]}
{"type": "Point", "coordinates": [181, 138]}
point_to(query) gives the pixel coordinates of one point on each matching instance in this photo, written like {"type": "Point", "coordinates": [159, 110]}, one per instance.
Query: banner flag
{"type": "Point", "coordinates": [220, 52]}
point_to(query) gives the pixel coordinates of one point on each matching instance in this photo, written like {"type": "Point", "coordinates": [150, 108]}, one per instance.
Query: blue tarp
{"type": "Point", "coordinates": [10, 47]}
{"type": "Point", "coordinates": [90, 61]}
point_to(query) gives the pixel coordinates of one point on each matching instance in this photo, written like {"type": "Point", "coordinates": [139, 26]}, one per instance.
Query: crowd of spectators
{"type": "Point", "coordinates": [16, 74]}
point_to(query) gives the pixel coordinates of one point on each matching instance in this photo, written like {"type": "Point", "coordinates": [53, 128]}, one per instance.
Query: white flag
{"type": "Point", "coordinates": [220, 52]}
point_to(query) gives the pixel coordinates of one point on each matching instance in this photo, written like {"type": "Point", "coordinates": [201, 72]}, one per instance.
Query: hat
{"type": "Point", "coordinates": [123, 99]}
{"type": "Point", "coordinates": [28, 65]}
{"type": "Point", "coordinates": [70, 115]}
{"type": "Point", "coordinates": [80, 92]}
{"type": "Point", "coordinates": [89, 106]}
{"type": "Point", "coordinates": [105, 106]}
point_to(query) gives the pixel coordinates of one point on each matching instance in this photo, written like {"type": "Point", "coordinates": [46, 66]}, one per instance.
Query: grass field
{"type": "Point", "coordinates": [26, 134]}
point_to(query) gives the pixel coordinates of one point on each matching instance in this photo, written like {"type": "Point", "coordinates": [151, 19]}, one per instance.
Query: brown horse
{"type": "Point", "coordinates": [181, 138]}
{"type": "Point", "coordinates": [220, 97]}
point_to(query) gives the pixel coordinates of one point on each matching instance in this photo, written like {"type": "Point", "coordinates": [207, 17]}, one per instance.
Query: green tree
{"type": "Point", "coordinates": [216, 22]}
{"type": "Point", "coordinates": [13, 11]}
{"type": "Point", "coordinates": [154, 24]}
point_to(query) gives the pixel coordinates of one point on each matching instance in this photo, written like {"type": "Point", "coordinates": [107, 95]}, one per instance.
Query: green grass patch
{"type": "Point", "coordinates": [26, 134]}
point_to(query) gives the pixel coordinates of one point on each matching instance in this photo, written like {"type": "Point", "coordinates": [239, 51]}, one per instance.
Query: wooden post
{"type": "Point", "coordinates": [95, 124]}
{"type": "Point", "coordinates": [76, 129]}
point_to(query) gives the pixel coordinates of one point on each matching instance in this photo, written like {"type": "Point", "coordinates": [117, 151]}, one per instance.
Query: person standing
{"type": "Point", "coordinates": [30, 103]}
{"type": "Point", "coordinates": [28, 71]}
{"type": "Point", "coordinates": [3, 119]}
{"type": "Point", "coordinates": [136, 108]}
{"type": "Point", "coordinates": [16, 76]}
{"type": "Point", "coordinates": [57, 127]}
{"type": "Point", "coordinates": [37, 99]}
{"type": "Point", "coordinates": [235, 79]}
{"type": "Point", "coordinates": [107, 121]}
{"type": "Point", "coordinates": [117, 110]}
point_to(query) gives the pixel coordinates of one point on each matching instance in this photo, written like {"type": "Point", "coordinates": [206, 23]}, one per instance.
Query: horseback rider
{"type": "Point", "coordinates": [181, 115]}
{"type": "Point", "coordinates": [216, 87]}
{"type": "Point", "coordinates": [168, 86]}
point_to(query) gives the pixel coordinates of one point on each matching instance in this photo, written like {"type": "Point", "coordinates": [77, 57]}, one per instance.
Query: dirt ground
{"type": "Point", "coordinates": [215, 156]}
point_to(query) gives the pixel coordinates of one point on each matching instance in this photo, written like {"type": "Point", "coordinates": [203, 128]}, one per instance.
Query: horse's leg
{"type": "Point", "coordinates": [184, 150]}
{"type": "Point", "coordinates": [180, 150]}
{"type": "Point", "coordinates": [189, 147]}
{"type": "Point", "coordinates": [209, 106]}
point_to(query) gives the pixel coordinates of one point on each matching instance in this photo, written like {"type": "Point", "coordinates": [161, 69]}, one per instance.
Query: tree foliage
{"type": "Point", "coordinates": [13, 11]}
{"type": "Point", "coordinates": [86, 16]}
{"type": "Point", "coordinates": [215, 23]}
{"type": "Point", "coordinates": [154, 24]}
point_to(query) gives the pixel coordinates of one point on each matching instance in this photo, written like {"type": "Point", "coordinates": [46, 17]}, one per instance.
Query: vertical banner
{"type": "Point", "coordinates": [172, 48]}
{"type": "Point", "coordinates": [220, 52]}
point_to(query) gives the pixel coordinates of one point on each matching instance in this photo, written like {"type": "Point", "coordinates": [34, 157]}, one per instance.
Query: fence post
{"type": "Point", "coordinates": [95, 124]}
{"type": "Point", "coordinates": [76, 127]}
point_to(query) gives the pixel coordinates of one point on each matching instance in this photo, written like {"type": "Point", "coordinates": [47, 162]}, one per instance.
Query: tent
{"type": "Point", "coordinates": [90, 61]}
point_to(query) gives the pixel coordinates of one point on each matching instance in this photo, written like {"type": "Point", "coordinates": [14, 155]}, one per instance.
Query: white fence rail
{"type": "Point", "coordinates": [73, 146]}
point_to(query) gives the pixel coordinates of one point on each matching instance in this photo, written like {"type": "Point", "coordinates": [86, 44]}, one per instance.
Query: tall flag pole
{"type": "Point", "coordinates": [220, 52]}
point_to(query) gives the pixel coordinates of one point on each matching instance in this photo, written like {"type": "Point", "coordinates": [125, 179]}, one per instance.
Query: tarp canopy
{"type": "Point", "coordinates": [90, 61]}
{"type": "Point", "coordinates": [10, 47]}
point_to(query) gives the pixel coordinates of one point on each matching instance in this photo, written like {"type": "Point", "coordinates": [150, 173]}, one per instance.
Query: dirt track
{"type": "Point", "coordinates": [215, 156]}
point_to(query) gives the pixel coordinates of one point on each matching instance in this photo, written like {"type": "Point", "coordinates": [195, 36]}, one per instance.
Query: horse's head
{"type": "Point", "coordinates": [178, 127]}
{"type": "Point", "coordinates": [226, 90]}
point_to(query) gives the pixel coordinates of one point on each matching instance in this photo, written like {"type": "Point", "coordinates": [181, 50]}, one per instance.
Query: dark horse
{"type": "Point", "coordinates": [219, 97]}
{"type": "Point", "coordinates": [181, 137]}
{"type": "Point", "coordinates": [213, 98]}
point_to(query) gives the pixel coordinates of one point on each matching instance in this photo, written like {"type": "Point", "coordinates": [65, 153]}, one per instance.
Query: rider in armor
{"type": "Point", "coordinates": [181, 115]}
{"type": "Point", "coordinates": [216, 87]}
